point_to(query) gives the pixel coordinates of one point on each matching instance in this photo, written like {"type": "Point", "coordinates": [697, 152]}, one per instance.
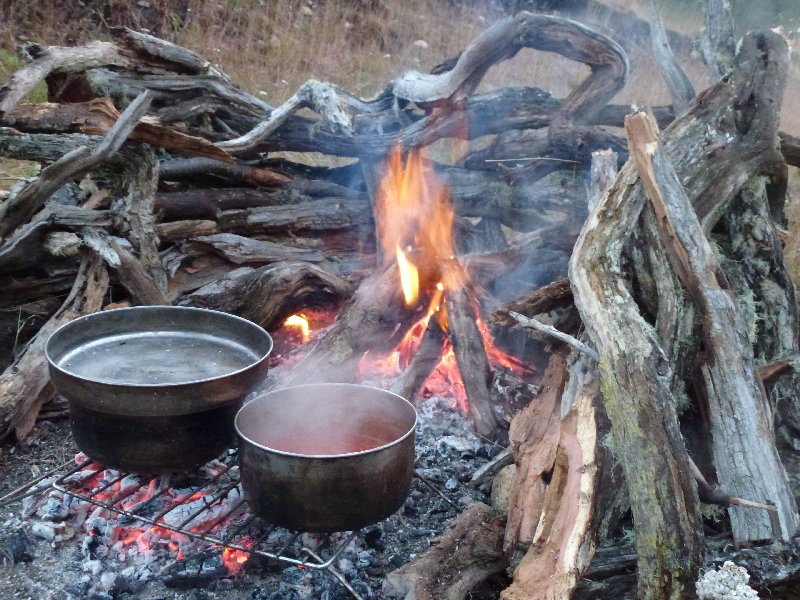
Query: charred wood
{"type": "Point", "coordinates": [268, 294]}
{"type": "Point", "coordinates": [425, 359]}
{"type": "Point", "coordinates": [473, 364]}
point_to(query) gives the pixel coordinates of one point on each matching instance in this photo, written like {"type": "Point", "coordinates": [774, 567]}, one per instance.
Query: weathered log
{"type": "Point", "coordinates": [269, 294]}
{"type": "Point", "coordinates": [191, 168]}
{"type": "Point", "coordinates": [24, 249]}
{"type": "Point", "coordinates": [24, 386]}
{"type": "Point", "coordinates": [18, 209]}
{"type": "Point", "coordinates": [242, 250]}
{"type": "Point", "coordinates": [317, 215]}
{"type": "Point", "coordinates": [135, 213]}
{"type": "Point", "coordinates": [176, 231]}
{"type": "Point", "coordinates": [678, 84]}
{"type": "Point", "coordinates": [745, 456]}
{"type": "Point", "coordinates": [718, 43]}
{"type": "Point", "coordinates": [638, 400]}
{"type": "Point", "coordinates": [97, 116]}
{"type": "Point", "coordinates": [464, 556]}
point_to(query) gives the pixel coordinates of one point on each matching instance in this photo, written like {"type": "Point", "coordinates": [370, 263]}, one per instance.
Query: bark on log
{"type": "Point", "coordinates": [745, 456]}
{"type": "Point", "coordinates": [464, 556]}
{"type": "Point", "coordinates": [25, 385]}
{"type": "Point", "coordinates": [635, 381]}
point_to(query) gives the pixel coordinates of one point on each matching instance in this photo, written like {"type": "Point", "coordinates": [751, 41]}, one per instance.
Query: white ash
{"type": "Point", "coordinates": [729, 582]}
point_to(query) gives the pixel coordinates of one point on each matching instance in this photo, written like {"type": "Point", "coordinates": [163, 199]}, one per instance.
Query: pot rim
{"type": "Point", "coordinates": [155, 386]}
{"type": "Point", "coordinates": [395, 442]}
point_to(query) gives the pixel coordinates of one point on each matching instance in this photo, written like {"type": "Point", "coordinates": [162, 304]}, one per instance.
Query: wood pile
{"type": "Point", "coordinates": [669, 349]}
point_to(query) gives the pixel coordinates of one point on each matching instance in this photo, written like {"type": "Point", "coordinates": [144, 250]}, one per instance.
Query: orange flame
{"type": "Point", "coordinates": [301, 322]}
{"type": "Point", "coordinates": [415, 219]}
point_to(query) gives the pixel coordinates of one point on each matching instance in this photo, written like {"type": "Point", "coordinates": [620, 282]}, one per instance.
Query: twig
{"type": "Point", "coordinates": [550, 330]}
{"type": "Point", "coordinates": [15, 494]}
{"type": "Point", "coordinates": [499, 160]}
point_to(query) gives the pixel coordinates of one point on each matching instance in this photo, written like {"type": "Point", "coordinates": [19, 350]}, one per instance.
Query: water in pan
{"type": "Point", "coordinates": [152, 358]}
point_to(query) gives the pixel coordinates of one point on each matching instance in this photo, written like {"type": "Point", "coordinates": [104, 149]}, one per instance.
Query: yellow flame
{"type": "Point", "coordinates": [301, 323]}
{"type": "Point", "coordinates": [409, 277]}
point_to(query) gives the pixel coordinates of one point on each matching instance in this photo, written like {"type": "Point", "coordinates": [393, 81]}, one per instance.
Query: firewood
{"type": "Point", "coordinates": [739, 411]}
{"type": "Point", "coordinates": [18, 209]}
{"type": "Point", "coordinates": [680, 88]}
{"type": "Point", "coordinates": [563, 540]}
{"type": "Point", "coordinates": [97, 116]}
{"type": "Point", "coordinates": [271, 293]}
{"type": "Point", "coordinates": [374, 319]}
{"type": "Point", "coordinates": [464, 556]}
{"type": "Point", "coordinates": [473, 365]}
{"type": "Point", "coordinates": [638, 399]}
{"type": "Point", "coordinates": [181, 230]}
{"type": "Point", "coordinates": [242, 250]}
{"type": "Point", "coordinates": [424, 361]}
{"type": "Point", "coordinates": [25, 385]}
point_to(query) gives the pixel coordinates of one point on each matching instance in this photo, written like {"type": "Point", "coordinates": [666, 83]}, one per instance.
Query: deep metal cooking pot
{"type": "Point", "coordinates": [156, 388]}
{"type": "Point", "coordinates": [326, 457]}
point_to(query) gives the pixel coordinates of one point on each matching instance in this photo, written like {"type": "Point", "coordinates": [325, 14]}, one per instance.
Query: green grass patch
{"type": "Point", "coordinates": [9, 63]}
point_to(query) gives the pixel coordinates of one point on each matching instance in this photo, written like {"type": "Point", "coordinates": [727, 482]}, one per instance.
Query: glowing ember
{"type": "Point", "coordinates": [234, 559]}
{"type": "Point", "coordinates": [300, 322]}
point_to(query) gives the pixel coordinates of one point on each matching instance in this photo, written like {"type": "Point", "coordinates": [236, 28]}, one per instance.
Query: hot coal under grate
{"type": "Point", "coordinates": [210, 508]}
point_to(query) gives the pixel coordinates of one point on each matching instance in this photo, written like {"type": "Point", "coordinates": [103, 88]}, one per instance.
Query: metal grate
{"type": "Point", "coordinates": [232, 527]}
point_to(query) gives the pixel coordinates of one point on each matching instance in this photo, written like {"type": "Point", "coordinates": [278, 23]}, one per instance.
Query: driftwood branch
{"type": "Point", "coordinates": [552, 331]}
{"type": "Point", "coordinates": [745, 456]}
{"type": "Point", "coordinates": [680, 88]}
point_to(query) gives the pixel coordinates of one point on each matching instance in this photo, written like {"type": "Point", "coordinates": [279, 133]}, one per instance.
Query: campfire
{"type": "Point", "coordinates": [590, 309]}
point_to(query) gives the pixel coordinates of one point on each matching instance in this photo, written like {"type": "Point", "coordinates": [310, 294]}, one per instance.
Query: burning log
{"type": "Point", "coordinates": [471, 357]}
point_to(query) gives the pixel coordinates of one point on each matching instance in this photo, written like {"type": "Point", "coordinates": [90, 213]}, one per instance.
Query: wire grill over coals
{"type": "Point", "coordinates": [211, 510]}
